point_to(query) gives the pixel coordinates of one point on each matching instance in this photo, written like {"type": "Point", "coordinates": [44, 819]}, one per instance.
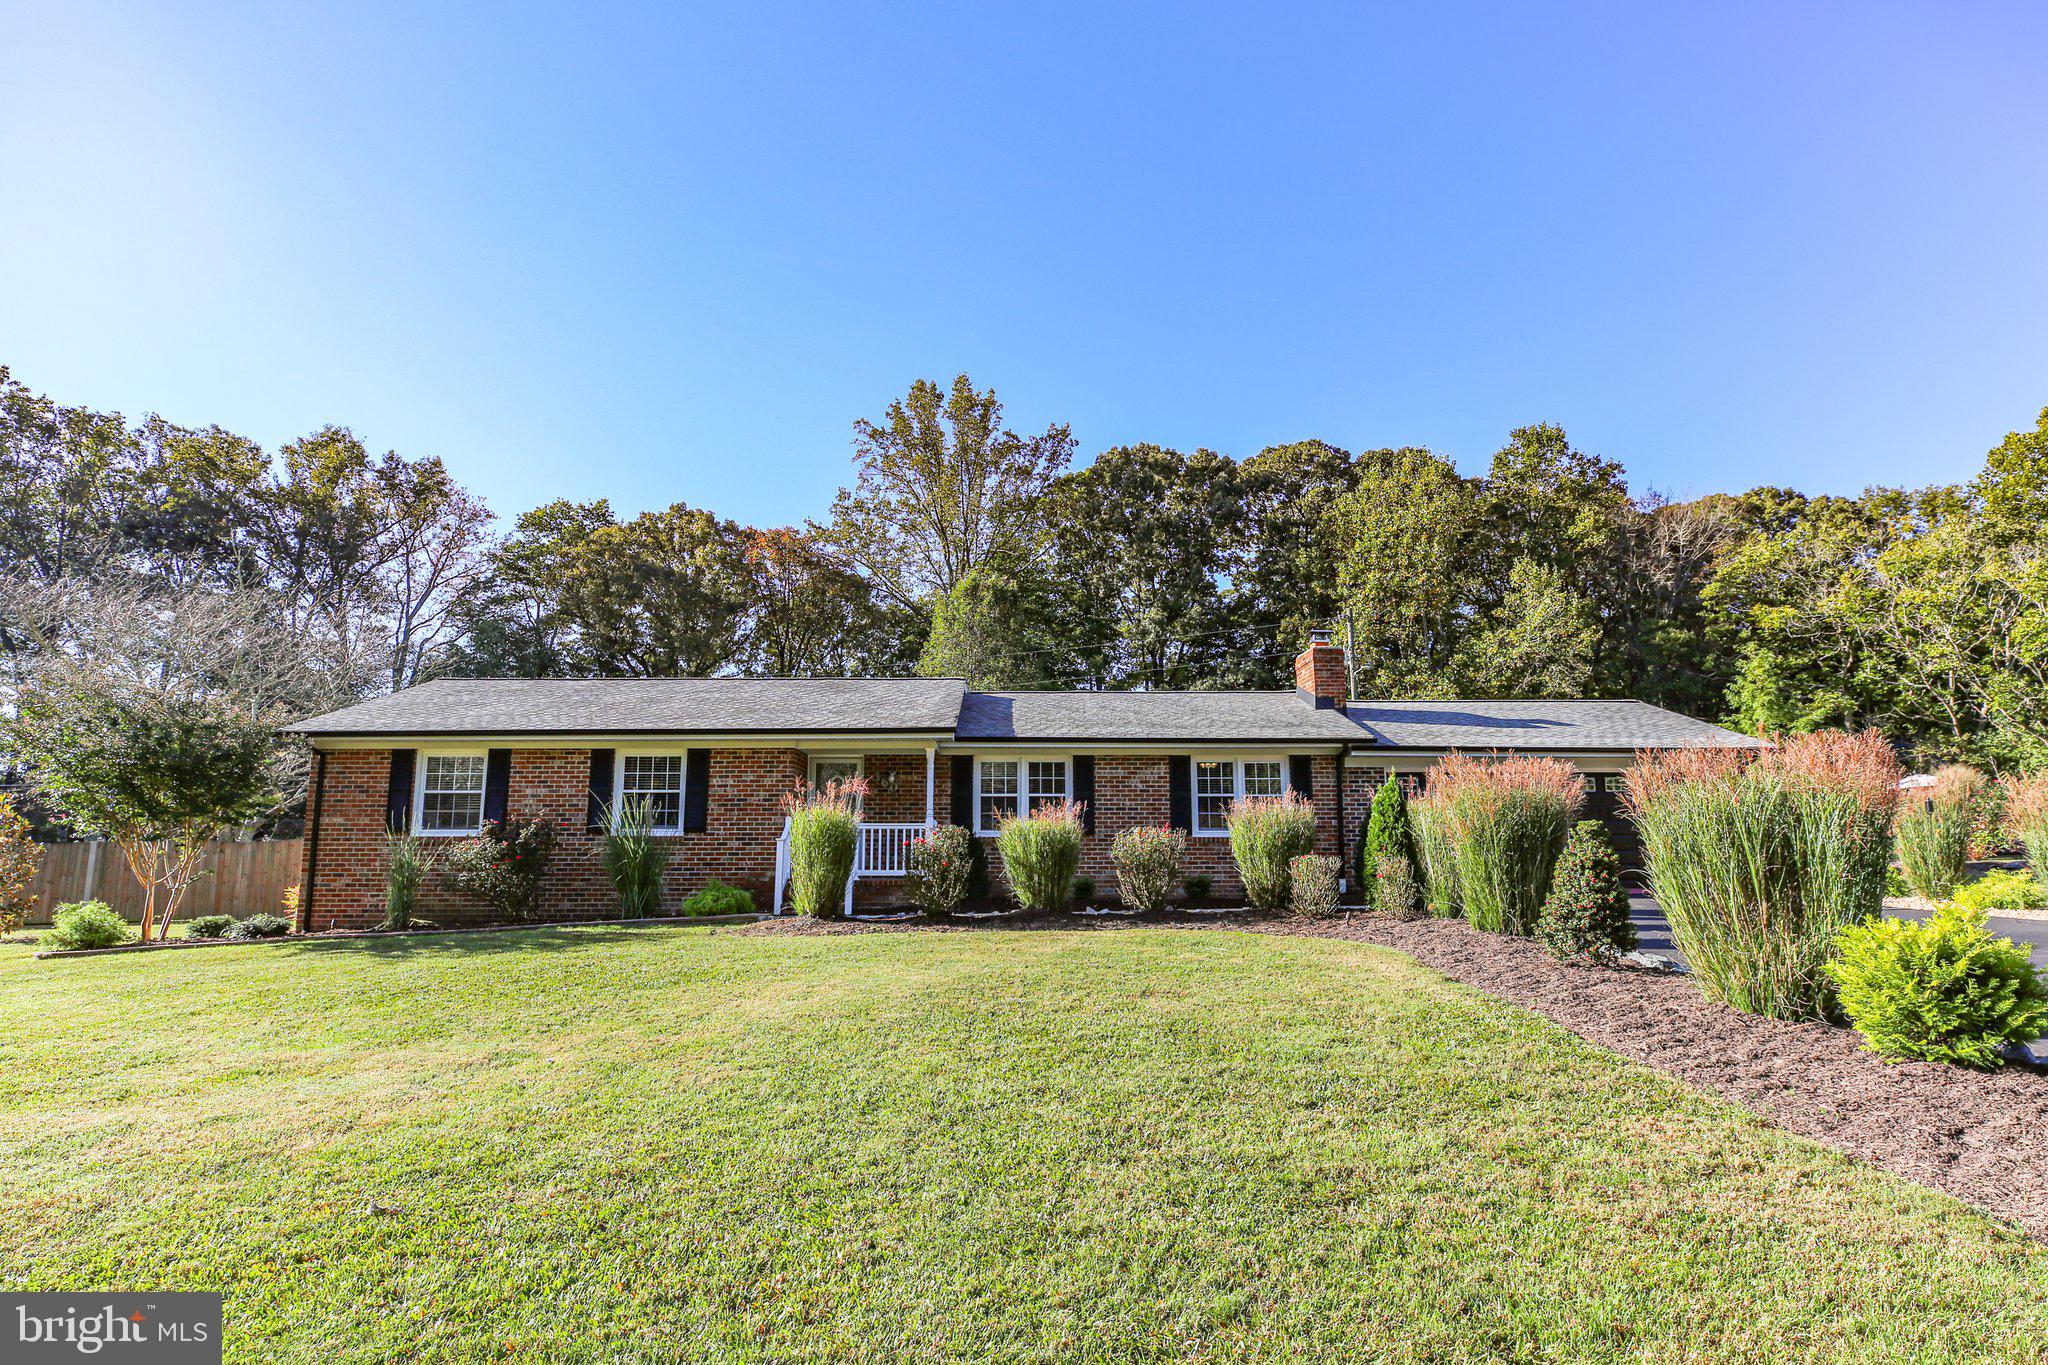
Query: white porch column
{"type": "Point", "coordinates": [931, 768]}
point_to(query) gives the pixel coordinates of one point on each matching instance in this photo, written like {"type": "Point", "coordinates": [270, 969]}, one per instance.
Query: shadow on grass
{"type": "Point", "coordinates": [507, 940]}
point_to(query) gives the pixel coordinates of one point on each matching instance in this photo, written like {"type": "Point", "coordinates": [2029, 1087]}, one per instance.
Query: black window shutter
{"type": "Point", "coordinates": [1301, 774]}
{"type": "Point", "coordinates": [600, 788]}
{"type": "Point", "coordinates": [696, 791]}
{"type": "Point", "coordinates": [963, 791]}
{"type": "Point", "coordinates": [497, 778]}
{"type": "Point", "coordinates": [398, 801]}
{"type": "Point", "coordinates": [1084, 790]}
{"type": "Point", "coordinates": [1180, 798]}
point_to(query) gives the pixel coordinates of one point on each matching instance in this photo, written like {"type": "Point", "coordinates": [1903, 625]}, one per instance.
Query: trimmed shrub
{"type": "Point", "coordinates": [503, 867]}
{"type": "Point", "coordinates": [1388, 832]}
{"type": "Point", "coordinates": [407, 863]}
{"type": "Point", "coordinates": [1934, 830]}
{"type": "Point", "coordinates": [941, 869]}
{"type": "Point", "coordinates": [1084, 889]}
{"type": "Point", "coordinates": [2000, 889]}
{"type": "Point", "coordinates": [1508, 818]}
{"type": "Point", "coordinates": [1944, 991]}
{"type": "Point", "coordinates": [1394, 889]}
{"type": "Point", "coordinates": [634, 859]}
{"type": "Point", "coordinates": [1759, 865]}
{"type": "Point", "coordinates": [1436, 855]}
{"type": "Point", "coordinates": [209, 926]}
{"type": "Point", "coordinates": [2026, 819]}
{"type": "Point", "coordinates": [1266, 834]}
{"type": "Point", "coordinates": [1196, 886]}
{"type": "Point", "coordinates": [824, 834]}
{"type": "Point", "coordinates": [1586, 913]}
{"type": "Point", "coordinates": [716, 898]}
{"type": "Point", "coordinates": [260, 925]}
{"type": "Point", "coordinates": [1313, 878]}
{"type": "Point", "coordinates": [86, 924]}
{"type": "Point", "coordinates": [1147, 859]}
{"type": "Point", "coordinates": [1041, 852]}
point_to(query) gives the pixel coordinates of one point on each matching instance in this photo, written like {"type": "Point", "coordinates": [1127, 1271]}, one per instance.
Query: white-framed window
{"type": "Point", "coordinates": [1614, 782]}
{"type": "Point", "coordinates": [656, 781]}
{"type": "Point", "coordinates": [449, 792]}
{"type": "Point", "coordinates": [1413, 783]}
{"type": "Point", "coordinates": [1589, 783]}
{"type": "Point", "coordinates": [1220, 781]}
{"type": "Point", "coordinates": [1045, 782]}
{"type": "Point", "coordinates": [829, 768]}
{"type": "Point", "coordinates": [995, 792]}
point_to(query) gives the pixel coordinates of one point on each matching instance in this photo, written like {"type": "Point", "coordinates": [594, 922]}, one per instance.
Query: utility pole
{"type": "Point", "coordinates": [1350, 655]}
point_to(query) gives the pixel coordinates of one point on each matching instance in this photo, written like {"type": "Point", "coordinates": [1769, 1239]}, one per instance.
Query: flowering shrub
{"type": "Point", "coordinates": [1041, 852]}
{"type": "Point", "coordinates": [941, 866]}
{"type": "Point", "coordinates": [19, 858]}
{"type": "Point", "coordinates": [1508, 818]}
{"type": "Point", "coordinates": [824, 834]}
{"type": "Point", "coordinates": [1147, 859]}
{"type": "Point", "coordinates": [1394, 891]}
{"type": "Point", "coordinates": [1266, 834]}
{"type": "Point", "coordinates": [503, 867]}
{"type": "Point", "coordinates": [1759, 865]}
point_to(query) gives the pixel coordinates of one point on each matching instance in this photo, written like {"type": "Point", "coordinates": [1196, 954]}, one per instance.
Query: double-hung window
{"type": "Point", "coordinates": [1005, 787]}
{"type": "Point", "coordinates": [451, 794]}
{"type": "Point", "coordinates": [655, 781]}
{"type": "Point", "coordinates": [1220, 781]}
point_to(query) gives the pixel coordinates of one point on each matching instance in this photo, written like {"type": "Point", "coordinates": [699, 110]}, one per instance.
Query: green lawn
{"type": "Point", "coordinates": [1007, 1146]}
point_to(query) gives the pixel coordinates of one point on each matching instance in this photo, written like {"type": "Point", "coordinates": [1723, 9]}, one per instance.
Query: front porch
{"type": "Point", "coordinates": [882, 851]}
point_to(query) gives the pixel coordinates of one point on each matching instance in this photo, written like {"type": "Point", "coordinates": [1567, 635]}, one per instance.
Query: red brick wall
{"type": "Point", "coordinates": [738, 845]}
{"type": "Point", "coordinates": [1319, 669]}
{"type": "Point", "coordinates": [744, 819]}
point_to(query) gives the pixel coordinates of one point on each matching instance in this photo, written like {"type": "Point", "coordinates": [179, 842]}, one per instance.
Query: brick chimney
{"type": "Point", "coordinates": [1319, 676]}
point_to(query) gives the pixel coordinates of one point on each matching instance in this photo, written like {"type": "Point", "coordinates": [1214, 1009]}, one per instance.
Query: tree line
{"type": "Point", "coordinates": [962, 547]}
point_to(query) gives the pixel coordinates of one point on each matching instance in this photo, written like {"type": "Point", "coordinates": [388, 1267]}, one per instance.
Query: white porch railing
{"type": "Point", "coordinates": [880, 850]}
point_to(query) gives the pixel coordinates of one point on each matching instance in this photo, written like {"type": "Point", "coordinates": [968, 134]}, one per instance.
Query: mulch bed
{"type": "Point", "coordinates": [1982, 1137]}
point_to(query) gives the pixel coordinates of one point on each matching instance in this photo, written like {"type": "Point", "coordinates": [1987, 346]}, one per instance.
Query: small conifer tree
{"type": "Point", "coordinates": [1587, 911]}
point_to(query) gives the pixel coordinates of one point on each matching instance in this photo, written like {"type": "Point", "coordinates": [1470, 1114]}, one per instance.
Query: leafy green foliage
{"type": "Point", "coordinates": [86, 924]}
{"type": "Point", "coordinates": [717, 898]}
{"type": "Point", "coordinates": [209, 926]}
{"type": "Point", "coordinates": [941, 870]}
{"type": "Point", "coordinates": [1943, 991]}
{"type": "Point", "coordinates": [1312, 884]}
{"type": "Point", "coordinates": [505, 866]}
{"type": "Point", "coordinates": [1395, 891]}
{"type": "Point", "coordinates": [1586, 913]}
{"type": "Point", "coordinates": [1267, 833]}
{"type": "Point", "coordinates": [1387, 831]}
{"type": "Point", "coordinates": [1084, 889]}
{"type": "Point", "coordinates": [1934, 828]}
{"type": "Point", "coordinates": [20, 856]}
{"type": "Point", "coordinates": [260, 925]}
{"type": "Point", "coordinates": [1147, 860]}
{"type": "Point", "coordinates": [1041, 853]}
{"type": "Point", "coordinates": [1999, 889]}
{"type": "Point", "coordinates": [1758, 865]}
{"type": "Point", "coordinates": [634, 858]}
{"type": "Point", "coordinates": [1196, 886]}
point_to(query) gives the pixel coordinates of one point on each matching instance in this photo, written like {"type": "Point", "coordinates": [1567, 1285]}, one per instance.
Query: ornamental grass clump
{"type": "Point", "coordinates": [1507, 822]}
{"type": "Point", "coordinates": [1041, 852]}
{"type": "Point", "coordinates": [2026, 819]}
{"type": "Point", "coordinates": [1147, 860]}
{"type": "Point", "coordinates": [1934, 828]}
{"type": "Point", "coordinates": [1266, 834]}
{"type": "Point", "coordinates": [1314, 878]}
{"type": "Point", "coordinates": [1586, 914]}
{"type": "Point", "coordinates": [941, 866]}
{"type": "Point", "coordinates": [1759, 865]}
{"type": "Point", "coordinates": [634, 858]}
{"type": "Point", "coordinates": [1436, 856]}
{"type": "Point", "coordinates": [408, 862]}
{"type": "Point", "coordinates": [824, 833]}
{"type": "Point", "coordinates": [1947, 990]}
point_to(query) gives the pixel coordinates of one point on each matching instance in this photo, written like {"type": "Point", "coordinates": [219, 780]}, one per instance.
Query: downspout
{"type": "Point", "coordinates": [1343, 863]}
{"type": "Point", "coordinates": [305, 925]}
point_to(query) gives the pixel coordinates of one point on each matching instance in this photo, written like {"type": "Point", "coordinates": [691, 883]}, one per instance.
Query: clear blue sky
{"type": "Point", "coordinates": [652, 253]}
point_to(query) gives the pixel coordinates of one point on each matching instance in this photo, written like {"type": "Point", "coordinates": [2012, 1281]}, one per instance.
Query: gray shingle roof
{"type": "Point", "coordinates": [1193, 716]}
{"type": "Point", "coordinates": [1622, 725]}
{"type": "Point", "coordinates": [531, 706]}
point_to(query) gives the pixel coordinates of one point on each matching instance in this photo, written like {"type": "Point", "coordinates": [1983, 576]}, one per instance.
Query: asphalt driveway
{"type": "Point", "coordinates": [1654, 935]}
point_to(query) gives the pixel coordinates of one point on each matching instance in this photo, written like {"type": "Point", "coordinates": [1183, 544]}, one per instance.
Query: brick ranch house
{"type": "Point", "coordinates": [714, 756]}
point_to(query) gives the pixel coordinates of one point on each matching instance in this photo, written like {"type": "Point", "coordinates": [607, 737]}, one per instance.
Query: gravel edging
{"type": "Point", "coordinates": [1979, 1136]}
{"type": "Point", "coordinates": [352, 935]}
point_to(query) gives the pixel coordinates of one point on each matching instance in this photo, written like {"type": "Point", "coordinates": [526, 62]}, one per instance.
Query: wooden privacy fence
{"type": "Point", "coordinates": [240, 879]}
